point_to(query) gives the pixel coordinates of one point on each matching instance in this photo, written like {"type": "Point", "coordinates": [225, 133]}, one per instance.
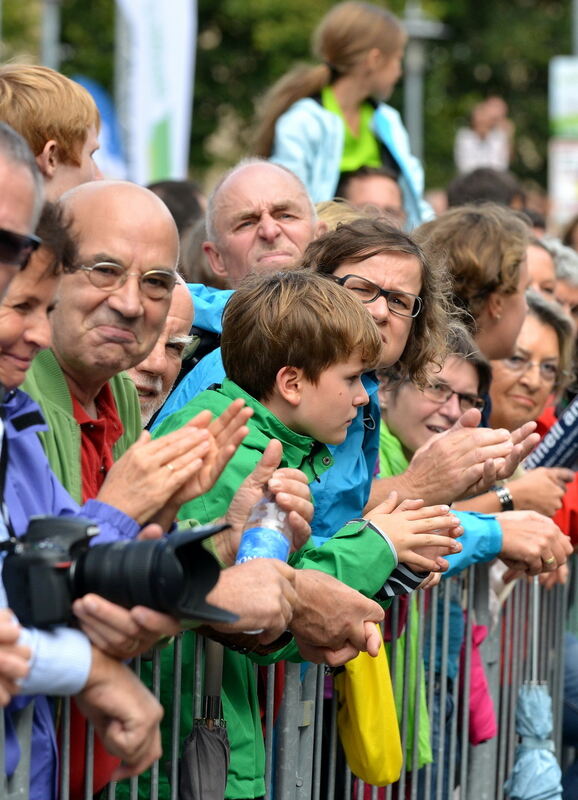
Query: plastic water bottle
{"type": "Point", "coordinates": [267, 534]}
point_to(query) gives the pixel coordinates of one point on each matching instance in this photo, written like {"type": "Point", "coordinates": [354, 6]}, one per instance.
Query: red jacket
{"type": "Point", "coordinates": [567, 517]}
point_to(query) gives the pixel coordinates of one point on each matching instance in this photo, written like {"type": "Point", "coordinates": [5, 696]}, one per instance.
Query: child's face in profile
{"type": "Point", "coordinates": [328, 407]}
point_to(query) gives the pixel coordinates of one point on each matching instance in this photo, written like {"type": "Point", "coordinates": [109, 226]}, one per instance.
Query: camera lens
{"type": "Point", "coordinates": [130, 573]}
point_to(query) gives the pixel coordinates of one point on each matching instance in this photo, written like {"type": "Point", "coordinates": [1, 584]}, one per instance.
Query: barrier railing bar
{"type": "Point", "coordinates": [332, 761]}
{"type": "Point", "coordinates": [405, 697]}
{"type": "Point", "coordinates": [417, 694]}
{"type": "Point", "coordinates": [439, 757]}
{"type": "Point", "coordinates": [470, 582]}
{"type": "Point", "coordinates": [505, 682]}
{"type": "Point", "coordinates": [269, 722]}
{"type": "Point", "coordinates": [176, 715]}
{"type": "Point", "coordinates": [318, 733]}
{"type": "Point", "coordinates": [433, 627]}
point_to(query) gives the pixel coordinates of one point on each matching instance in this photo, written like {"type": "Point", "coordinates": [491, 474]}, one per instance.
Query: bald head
{"type": "Point", "coordinates": [259, 218]}
{"type": "Point", "coordinates": [131, 203]}
{"type": "Point", "coordinates": [127, 230]}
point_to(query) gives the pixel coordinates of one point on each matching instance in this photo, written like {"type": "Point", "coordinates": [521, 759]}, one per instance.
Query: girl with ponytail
{"type": "Point", "coordinates": [322, 121]}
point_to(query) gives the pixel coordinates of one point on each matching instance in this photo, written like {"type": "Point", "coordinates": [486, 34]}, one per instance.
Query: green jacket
{"type": "Point", "coordinates": [299, 451]}
{"type": "Point", "coordinates": [355, 555]}
{"type": "Point", "coordinates": [45, 383]}
{"type": "Point", "coordinates": [393, 461]}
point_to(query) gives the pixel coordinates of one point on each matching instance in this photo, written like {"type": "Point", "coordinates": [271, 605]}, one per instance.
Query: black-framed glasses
{"type": "Point", "coordinates": [403, 304]}
{"type": "Point", "coordinates": [156, 284]}
{"type": "Point", "coordinates": [16, 248]}
{"type": "Point", "coordinates": [440, 392]}
{"type": "Point", "coordinates": [549, 370]}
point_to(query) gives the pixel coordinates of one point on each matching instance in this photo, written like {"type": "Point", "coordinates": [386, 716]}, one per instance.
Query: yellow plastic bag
{"type": "Point", "coordinates": [367, 719]}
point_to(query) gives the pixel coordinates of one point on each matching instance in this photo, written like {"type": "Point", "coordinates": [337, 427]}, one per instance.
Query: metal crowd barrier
{"type": "Point", "coordinates": [304, 759]}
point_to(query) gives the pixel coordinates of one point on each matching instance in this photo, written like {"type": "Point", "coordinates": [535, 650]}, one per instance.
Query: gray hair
{"type": "Point", "coordinates": [565, 260]}
{"type": "Point", "coordinates": [212, 204]}
{"type": "Point", "coordinates": [15, 149]}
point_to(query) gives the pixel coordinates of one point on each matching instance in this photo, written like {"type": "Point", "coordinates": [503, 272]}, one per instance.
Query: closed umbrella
{"type": "Point", "coordinates": [536, 774]}
{"type": "Point", "coordinates": [205, 760]}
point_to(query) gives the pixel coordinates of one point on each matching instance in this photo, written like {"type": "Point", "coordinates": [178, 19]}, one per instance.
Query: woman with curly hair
{"type": "Point", "coordinates": [405, 293]}
{"type": "Point", "coordinates": [483, 249]}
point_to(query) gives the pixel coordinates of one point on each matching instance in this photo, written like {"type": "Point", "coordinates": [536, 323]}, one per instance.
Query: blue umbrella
{"type": "Point", "coordinates": [536, 774]}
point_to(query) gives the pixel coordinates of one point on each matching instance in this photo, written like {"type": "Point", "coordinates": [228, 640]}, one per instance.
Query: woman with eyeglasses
{"type": "Point", "coordinates": [406, 296]}
{"type": "Point", "coordinates": [522, 385]}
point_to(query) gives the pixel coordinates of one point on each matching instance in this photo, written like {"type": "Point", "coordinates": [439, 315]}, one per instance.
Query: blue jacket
{"type": "Point", "coordinates": [309, 141]}
{"type": "Point", "coordinates": [61, 659]}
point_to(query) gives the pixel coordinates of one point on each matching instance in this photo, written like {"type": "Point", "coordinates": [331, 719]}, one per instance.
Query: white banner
{"type": "Point", "coordinates": [155, 62]}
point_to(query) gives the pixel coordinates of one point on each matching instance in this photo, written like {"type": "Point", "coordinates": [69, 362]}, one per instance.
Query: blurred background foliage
{"type": "Point", "coordinates": [493, 47]}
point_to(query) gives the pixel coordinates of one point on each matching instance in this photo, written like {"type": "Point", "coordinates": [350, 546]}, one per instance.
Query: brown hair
{"type": "Point", "coordinates": [42, 104]}
{"type": "Point", "coordinates": [55, 231]}
{"type": "Point", "coordinates": [482, 247]}
{"type": "Point", "coordinates": [344, 35]}
{"type": "Point", "coordinates": [365, 238]}
{"type": "Point", "coordinates": [568, 232]}
{"type": "Point", "coordinates": [292, 318]}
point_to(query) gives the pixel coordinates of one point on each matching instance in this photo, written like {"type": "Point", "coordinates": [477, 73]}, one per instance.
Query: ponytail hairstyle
{"type": "Point", "coordinates": [344, 35]}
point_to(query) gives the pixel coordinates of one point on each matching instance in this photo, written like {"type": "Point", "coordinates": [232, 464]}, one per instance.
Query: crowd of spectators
{"type": "Point", "coordinates": [379, 371]}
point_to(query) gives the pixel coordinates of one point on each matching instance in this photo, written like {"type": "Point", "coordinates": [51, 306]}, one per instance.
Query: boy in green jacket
{"type": "Point", "coordinates": [295, 345]}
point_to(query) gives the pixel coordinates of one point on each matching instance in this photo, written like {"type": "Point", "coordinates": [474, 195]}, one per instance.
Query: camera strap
{"type": "Point", "coordinates": [3, 470]}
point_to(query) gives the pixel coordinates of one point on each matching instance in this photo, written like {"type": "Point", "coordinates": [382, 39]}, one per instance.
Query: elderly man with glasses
{"type": "Point", "coordinates": [109, 315]}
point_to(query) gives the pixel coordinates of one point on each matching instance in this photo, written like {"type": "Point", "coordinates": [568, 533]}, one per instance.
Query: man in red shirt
{"type": "Point", "coordinates": [108, 317]}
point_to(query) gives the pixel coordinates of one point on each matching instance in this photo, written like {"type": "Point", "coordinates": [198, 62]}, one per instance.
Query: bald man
{"type": "Point", "coordinates": [109, 315]}
{"type": "Point", "coordinates": [155, 375]}
{"type": "Point", "coordinates": [259, 218]}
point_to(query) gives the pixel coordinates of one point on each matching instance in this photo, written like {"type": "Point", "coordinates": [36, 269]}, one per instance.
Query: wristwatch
{"type": "Point", "coordinates": [505, 498]}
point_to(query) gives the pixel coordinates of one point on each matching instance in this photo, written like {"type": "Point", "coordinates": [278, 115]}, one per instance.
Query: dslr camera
{"type": "Point", "coordinates": [53, 563]}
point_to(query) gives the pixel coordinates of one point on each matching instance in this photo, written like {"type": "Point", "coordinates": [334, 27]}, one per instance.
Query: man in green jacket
{"type": "Point", "coordinates": [110, 312]}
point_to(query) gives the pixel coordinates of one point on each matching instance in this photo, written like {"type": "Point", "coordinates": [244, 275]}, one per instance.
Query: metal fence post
{"type": "Point", "coordinates": [484, 757]}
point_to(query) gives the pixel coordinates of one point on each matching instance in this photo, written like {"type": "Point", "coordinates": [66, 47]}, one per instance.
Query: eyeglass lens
{"type": "Point", "coordinates": [401, 303]}
{"type": "Point", "coordinates": [441, 393]}
{"type": "Point", "coordinates": [155, 284]}
{"type": "Point", "coordinates": [548, 371]}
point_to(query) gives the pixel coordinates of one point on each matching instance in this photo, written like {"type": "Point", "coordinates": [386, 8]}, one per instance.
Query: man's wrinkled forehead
{"type": "Point", "coordinates": [265, 187]}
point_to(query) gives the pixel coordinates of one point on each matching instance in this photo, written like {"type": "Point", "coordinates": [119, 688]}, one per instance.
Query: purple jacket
{"type": "Point", "coordinates": [33, 489]}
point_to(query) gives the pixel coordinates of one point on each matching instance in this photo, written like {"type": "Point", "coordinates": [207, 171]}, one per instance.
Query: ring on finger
{"type": "Point", "coordinates": [549, 561]}
{"type": "Point", "coordinates": [170, 467]}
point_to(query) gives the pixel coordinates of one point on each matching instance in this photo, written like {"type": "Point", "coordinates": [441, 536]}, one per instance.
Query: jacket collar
{"type": "Point", "coordinates": [299, 451]}
{"type": "Point", "coordinates": [22, 414]}
{"type": "Point", "coordinates": [392, 459]}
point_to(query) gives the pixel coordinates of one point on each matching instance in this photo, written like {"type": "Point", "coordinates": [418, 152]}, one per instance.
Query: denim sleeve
{"type": "Point", "coordinates": [60, 662]}
{"type": "Point", "coordinates": [481, 541]}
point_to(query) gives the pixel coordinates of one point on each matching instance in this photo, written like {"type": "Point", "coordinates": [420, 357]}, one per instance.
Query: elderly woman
{"type": "Point", "coordinates": [522, 385]}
